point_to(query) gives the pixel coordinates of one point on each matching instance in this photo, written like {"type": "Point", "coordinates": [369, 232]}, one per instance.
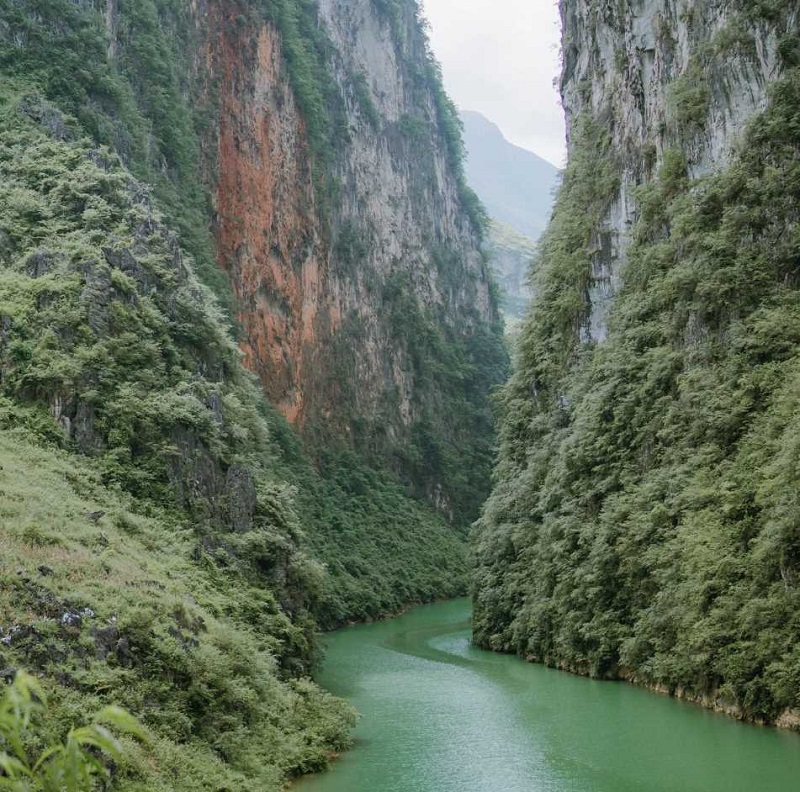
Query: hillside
{"type": "Point", "coordinates": [247, 339]}
{"type": "Point", "coordinates": [643, 523]}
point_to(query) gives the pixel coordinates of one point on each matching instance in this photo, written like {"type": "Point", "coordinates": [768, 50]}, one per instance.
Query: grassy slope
{"type": "Point", "coordinates": [644, 520]}
{"type": "Point", "coordinates": [184, 645]}
{"type": "Point", "coordinates": [199, 600]}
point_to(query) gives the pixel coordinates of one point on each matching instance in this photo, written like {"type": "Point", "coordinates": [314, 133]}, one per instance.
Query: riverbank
{"type": "Point", "coordinates": [714, 701]}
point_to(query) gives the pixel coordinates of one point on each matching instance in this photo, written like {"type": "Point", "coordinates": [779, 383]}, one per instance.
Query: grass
{"type": "Point", "coordinates": [161, 634]}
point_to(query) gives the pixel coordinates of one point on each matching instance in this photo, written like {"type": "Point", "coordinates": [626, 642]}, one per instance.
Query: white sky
{"type": "Point", "coordinates": [500, 57]}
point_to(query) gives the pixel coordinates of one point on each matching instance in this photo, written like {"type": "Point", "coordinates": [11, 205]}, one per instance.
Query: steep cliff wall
{"type": "Point", "coordinates": [267, 228]}
{"type": "Point", "coordinates": [349, 237]}
{"type": "Point", "coordinates": [643, 523]}
{"type": "Point", "coordinates": [161, 520]}
{"type": "Point", "coordinates": [661, 75]}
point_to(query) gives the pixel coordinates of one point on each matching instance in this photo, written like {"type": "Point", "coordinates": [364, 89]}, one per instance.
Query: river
{"type": "Point", "coordinates": [439, 715]}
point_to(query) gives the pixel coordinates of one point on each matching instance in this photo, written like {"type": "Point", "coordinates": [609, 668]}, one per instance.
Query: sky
{"type": "Point", "coordinates": [500, 57]}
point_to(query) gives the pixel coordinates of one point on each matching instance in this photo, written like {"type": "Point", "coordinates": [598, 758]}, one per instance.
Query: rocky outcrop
{"type": "Point", "coordinates": [659, 75]}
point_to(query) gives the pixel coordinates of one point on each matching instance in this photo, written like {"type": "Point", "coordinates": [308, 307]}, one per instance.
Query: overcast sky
{"type": "Point", "coordinates": [500, 57]}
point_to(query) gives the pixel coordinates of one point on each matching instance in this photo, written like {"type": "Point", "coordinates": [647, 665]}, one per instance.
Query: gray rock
{"type": "Point", "coordinates": [124, 260]}
{"type": "Point", "coordinates": [241, 497]}
{"type": "Point", "coordinates": [39, 263]}
{"type": "Point", "coordinates": [621, 61]}
{"type": "Point", "coordinates": [96, 296]}
{"type": "Point", "coordinates": [6, 246]}
{"type": "Point", "coordinates": [50, 118]}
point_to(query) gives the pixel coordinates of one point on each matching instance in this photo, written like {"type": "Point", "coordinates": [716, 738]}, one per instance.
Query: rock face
{"type": "Point", "coordinates": [660, 75]}
{"type": "Point", "coordinates": [349, 250]}
{"type": "Point", "coordinates": [267, 232]}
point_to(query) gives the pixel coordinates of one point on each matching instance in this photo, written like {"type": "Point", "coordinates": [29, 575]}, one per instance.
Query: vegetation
{"type": "Point", "coordinates": [72, 766]}
{"type": "Point", "coordinates": [382, 550]}
{"type": "Point", "coordinates": [139, 106]}
{"type": "Point", "coordinates": [163, 572]}
{"type": "Point", "coordinates": [690, 100]}
{"type": "Point", "coordinates": [108, 603]}
{"type": "Point", "coordinates": [644, 520]}
{"type": "Point", "coordinates": [169, 545]}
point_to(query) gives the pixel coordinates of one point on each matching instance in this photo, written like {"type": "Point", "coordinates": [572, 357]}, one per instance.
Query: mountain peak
{"type": "Point", "coordinates": [515, 184]}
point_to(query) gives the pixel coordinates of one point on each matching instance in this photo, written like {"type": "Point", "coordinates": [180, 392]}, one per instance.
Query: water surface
{"type": "Point", "coordinates": [442, 716]}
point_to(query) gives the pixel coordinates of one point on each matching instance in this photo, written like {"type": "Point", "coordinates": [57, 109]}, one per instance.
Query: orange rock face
{"type": "Point", "coordinates": [348, 316]}
{"type": "Point", "coordinates": [265, 211]}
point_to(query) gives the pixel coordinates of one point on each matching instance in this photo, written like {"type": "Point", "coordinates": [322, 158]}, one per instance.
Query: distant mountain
{"type": "Point", "coordinates": [515, 185]}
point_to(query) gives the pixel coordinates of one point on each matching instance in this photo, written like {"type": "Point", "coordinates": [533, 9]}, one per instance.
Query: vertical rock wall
{"type": "Point", "coordinates": [657, 75]}
{"type": "Point", "coordinates": [326, 250]}
{"type": "Point", "coordinates": [267, 231]}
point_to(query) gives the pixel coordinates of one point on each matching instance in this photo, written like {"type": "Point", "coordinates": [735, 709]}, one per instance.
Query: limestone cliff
{"type": "Point", "coordinates": [643, 523]}
{"type": "Point", "coordinates": [345, 229]}
{"type": "Point", "coordinates": [658, 75]}
{"type": "Point", "coordinates": [161, 521]}
{"type": "Point", "coordinates": [307, 165]}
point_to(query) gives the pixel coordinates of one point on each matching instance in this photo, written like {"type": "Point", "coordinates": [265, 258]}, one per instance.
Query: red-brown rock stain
{"type": "Point", "coordinates": [267, 231]}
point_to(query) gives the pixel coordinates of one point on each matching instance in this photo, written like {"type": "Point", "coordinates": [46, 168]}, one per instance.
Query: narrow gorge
{"type": "Point", "coordinates": [256, 386]}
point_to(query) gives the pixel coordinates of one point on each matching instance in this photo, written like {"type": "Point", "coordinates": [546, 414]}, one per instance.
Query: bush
{"type": "Point", "coordinates": [79, 764]}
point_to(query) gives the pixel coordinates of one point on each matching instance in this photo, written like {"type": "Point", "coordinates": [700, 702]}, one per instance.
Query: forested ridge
{"type": "Point", "coordinates": [644, 518]}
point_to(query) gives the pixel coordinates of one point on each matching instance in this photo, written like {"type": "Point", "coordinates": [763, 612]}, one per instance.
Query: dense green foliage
{"type": "Point", "coordinates": [109, 346]}
{"type": "Point", "coordinates": [109, 604]}
{"type": "Point", "coordinates": [78, 764]}
{"type": "Point", "coordinates": [142, 106]}
{"type": "Point", "coordinates": [382, 550]}
{"type": "Point", "coordinates": [645, 517]}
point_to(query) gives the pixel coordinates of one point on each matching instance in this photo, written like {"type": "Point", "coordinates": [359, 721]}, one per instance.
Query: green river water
{"type": "Point", "coordinates": [441, 716]}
